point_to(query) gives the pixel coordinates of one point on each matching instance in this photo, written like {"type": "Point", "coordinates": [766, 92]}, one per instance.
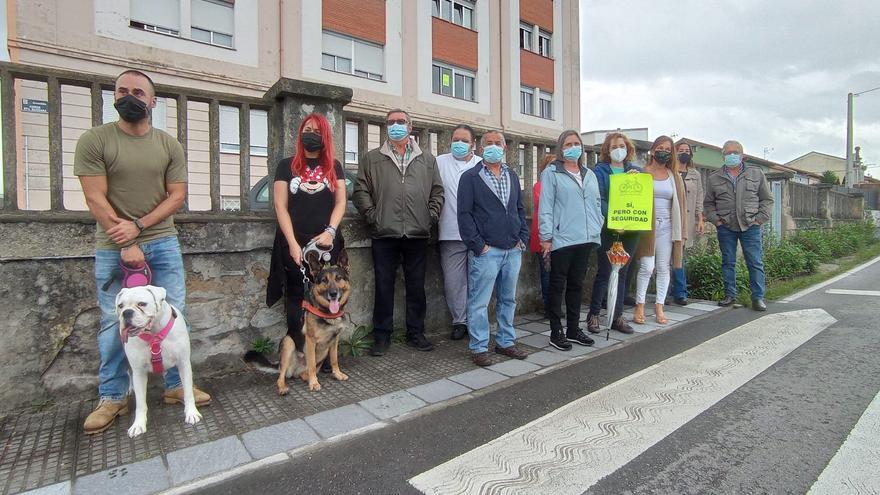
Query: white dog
{"type": "Point", "coordinates": [145, 316]}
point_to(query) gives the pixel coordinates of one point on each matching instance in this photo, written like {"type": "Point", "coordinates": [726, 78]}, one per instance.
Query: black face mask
{"type": "Point", "coordinates": [312, 141]}
{"type": "Point", "coordinates": [131, 109]}
{"type": "Point", "coordinates": [662, 157]}
{"type": "Point", "coordinates": [684, 158]}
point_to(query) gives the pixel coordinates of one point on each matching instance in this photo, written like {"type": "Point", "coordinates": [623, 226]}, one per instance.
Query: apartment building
{"type": "Point", "coordinates": [509, 64]}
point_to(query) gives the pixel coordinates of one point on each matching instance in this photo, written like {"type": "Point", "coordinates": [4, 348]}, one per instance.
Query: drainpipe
{"type": "Point", "coordinates": [501, 75]}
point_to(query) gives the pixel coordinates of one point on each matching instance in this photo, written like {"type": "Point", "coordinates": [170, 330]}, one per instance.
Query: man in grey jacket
{"type": "Point", "coordinates": [738, 202]}
{"type": "Point", "coordinates": [400, 195]}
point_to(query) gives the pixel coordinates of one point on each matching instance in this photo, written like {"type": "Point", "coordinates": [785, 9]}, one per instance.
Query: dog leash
{"type": "Point", "coordinates": [129, 276]}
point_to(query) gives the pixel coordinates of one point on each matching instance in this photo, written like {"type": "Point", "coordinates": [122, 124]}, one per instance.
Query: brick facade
{"type": "Point", "coordinates": [539, 12]}
{"type": "Point", "coordinates": [536, 71]}
{"type": "Point", "coordinates": [368, 23]}
{"type": "Point", "coordinates": [454, 44]}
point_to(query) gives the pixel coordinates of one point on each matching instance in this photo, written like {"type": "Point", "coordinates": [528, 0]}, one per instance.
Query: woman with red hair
{"type": "Point", "coordinates": [309, 199]}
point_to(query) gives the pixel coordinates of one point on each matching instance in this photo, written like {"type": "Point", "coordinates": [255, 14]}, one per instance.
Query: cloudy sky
{"type": "Point", "coordinates": [768, 73]}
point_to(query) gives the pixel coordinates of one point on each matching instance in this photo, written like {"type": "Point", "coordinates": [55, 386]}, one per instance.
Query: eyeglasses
{"type": "Point", "coordinates": [398, 121]}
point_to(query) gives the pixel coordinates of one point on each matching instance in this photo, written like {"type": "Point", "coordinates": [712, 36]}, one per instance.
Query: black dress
{"type": "Point", "coordinates": [310, 203]}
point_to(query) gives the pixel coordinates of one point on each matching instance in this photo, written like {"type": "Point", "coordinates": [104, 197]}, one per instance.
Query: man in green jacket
{"type": "Point", "coordinates": [400, 195]}
{"type": "Point", "coordinates": [738, 201]}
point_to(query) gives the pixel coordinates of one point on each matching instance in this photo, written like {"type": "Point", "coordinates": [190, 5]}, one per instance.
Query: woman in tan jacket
{"type": "Point", "coordinates": [663, 246]}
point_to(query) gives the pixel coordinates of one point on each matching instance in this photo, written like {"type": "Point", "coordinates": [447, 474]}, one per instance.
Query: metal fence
{"type": "Point", "coordinates": [523, 152]}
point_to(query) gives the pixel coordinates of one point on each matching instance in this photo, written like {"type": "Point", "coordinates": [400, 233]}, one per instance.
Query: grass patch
{"type": "Point", "coordinates": [782, 288]}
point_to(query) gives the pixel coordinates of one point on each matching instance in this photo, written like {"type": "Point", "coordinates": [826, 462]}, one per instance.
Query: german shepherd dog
{"type": "Point", "coordinates": [323, 308]}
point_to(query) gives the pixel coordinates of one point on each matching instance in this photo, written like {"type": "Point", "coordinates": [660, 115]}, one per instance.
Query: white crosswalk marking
{"type": "Point", "coordinates": [572, 448]}
{"type": "Point", "coordinates": [854, 292]}
{"type": "Point", "coordinates": [855, 468]}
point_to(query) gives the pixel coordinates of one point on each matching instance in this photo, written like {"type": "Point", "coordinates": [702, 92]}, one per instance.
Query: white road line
{"type": "Point", "coordinates": [854, 292]}
{"type": "Point", "coordinates": [808, 290]}
{"type": "Point", "coordinates": [855, 468]}
{"type": "Point", "coordinates": [572, 448]}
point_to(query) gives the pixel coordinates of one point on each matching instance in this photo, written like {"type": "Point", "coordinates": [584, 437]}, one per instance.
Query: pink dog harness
{"type": "Point", "coordinates": [154, 340]}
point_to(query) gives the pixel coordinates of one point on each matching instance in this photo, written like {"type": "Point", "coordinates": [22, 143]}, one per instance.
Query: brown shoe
{"type": "Point", "coordinates": [176, 396]}
{"type": "Point", "coordinates": [103, 416]}
{"type": "Point", "coordinates": [621, 325]}
{"type": "Point", "coordinates": [481, 359]}
{"type": "Point", "coordinates": [511, 352]}
{"type": "Point", "coordinates": [593, 323]}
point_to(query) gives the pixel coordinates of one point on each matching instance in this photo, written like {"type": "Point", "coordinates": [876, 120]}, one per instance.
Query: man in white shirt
{"type": "Point", "coordinates": [453, 252]}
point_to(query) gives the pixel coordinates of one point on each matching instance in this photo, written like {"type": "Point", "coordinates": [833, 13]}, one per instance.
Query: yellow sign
{"type": "Point", "coordinates": [446, 80]}
{"type": "Point", "coordinates": [630, 202]}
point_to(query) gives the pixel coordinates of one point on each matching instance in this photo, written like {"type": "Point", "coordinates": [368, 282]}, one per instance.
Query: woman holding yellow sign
{"type": "Point", "coordinates": [615, 157]}
{"type": "Point", "coordinates": [662, 246]}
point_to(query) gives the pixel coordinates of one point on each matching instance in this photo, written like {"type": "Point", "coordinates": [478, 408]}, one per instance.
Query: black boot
{"type": "Point", "coordinates": [558, 340]}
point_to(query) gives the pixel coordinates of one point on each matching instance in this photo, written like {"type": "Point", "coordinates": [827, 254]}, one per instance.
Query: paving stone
{"type": "Point", "coordinates": [533, 316]}
{"type": "Point", "coordinates": [520, 333]}
{"type": "Point", "coordinates": [686, 310]}
{"type": "Point", "coordinates": [575, 351]}
{"type": "Point", "coordinates": [478, 378]}
{"type": "Point", "coordinates": [340, 420]}
{"type": "Point", "coordinates": [601, 343]}
{"type": "Point", "coordinates": [142, 477]}
{"type": "Point", "coordinates": [393, 404]}
{"type": "Point", "coordinates": [279, 438]}
{"type": "Point", "coordinates": [535, 327]}
{"type": "Point", "coordinates": [202, 460]}
{"type": "Point", "coordinates": [533, 340]}
{"type": "Point", "coordinates": [703, 306]}
{"type": "Point", "coordinates": [646, 328]}
{"type": "Point", "coordinates": [545, 358]}
{"type": "Point", "coordinates": [56, 489]}
{"type": "Point", "coordinates": [438, 391]}
{"type": "Point", "coordinates": [514, 367]}
{"type": "Point", "coordinates": [673, 316]}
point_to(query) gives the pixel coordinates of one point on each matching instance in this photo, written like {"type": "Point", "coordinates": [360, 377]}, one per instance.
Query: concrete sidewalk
{"type": "Point", "coordinates": [249, 425]}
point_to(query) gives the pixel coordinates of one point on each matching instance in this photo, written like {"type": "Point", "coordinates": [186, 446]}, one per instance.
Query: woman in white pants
{"type": "Point", "coordinates": [662, 247]}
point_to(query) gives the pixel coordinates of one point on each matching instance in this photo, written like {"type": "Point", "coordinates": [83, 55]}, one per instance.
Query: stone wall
{"type": "Point", "coordinates": [50, 317]}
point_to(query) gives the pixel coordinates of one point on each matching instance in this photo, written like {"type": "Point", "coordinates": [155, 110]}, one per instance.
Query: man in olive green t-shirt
{"type": "Point", "coordinates": [133, 177]}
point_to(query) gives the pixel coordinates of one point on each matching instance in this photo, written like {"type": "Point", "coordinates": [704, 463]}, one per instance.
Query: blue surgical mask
{"type": "Point", "coordinates": [397, 131]}
{"type": "Point", "coordinates": [732, 160]}
{"type": "Point", "coordinates": [493, 153]}
{"type": "Point", "coordinates": [572, 153]}
{"type": "Point", "coordinates": [460, 149]}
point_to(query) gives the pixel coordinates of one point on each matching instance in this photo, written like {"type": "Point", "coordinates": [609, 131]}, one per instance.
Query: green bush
{"type": "Point", "coordinates": [842, 240]}
{"type": "Point", "coordinates": [814, 241]}
{"type": "Point", "coordinates": [703, 267]}
{"type": "Point", "coordinates": [786, 260]}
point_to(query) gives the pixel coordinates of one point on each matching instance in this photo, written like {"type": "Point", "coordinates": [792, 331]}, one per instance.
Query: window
{"type": "Point", "coordinates": [351, 143]}
{"type": "Point", "coordinates": [454, 82]}
{"type": "Point", "coordinates": [212, 21]}
{"type": "Point", "coordinates": [544, 43]}
{"type": "Point", "coordinates": [352, 56]}
{"type": "Point", "coordinates": [159, 112]}
{"type": "Point", "coordinates": [459, 12]}
{"type": "Point", "coordinates": [161, 16]}
{"type": "Point", "coordinates": [546, 105]}
{"type": "Point", "coordinates": [525, 36]}
{"type": "Point", "coordinates": [259, 131]}
{"type": "Point", "coordinates": [527, 100]}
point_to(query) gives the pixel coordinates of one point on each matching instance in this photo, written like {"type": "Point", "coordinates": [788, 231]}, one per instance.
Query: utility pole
{"type": "Point", "coordinates": [847, 180]}
{"type": "Point", "coordinates": [850, 178]}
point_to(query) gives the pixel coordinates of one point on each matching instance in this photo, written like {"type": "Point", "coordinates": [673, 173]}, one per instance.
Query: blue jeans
{"type": "Point", "coordinates": [679, 281]}
{"type": "Point", "coordinates": [753, 251]}
{"type": "Point", "coordinates": [163, 256]}
{"type": "Point", "coordinates": [501, 265]}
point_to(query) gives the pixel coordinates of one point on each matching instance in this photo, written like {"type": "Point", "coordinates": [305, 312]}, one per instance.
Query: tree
{"type": "Point", "coordinates": [830, 177]}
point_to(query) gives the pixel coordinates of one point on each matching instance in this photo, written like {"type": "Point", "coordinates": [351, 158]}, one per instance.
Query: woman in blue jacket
{"type": "Point", "coordinates": [615, 157]}
{"type": "Point", "coordinates": [570, 224]}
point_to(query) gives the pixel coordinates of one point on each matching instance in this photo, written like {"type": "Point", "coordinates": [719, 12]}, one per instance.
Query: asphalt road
{"type": "Point", "coordinates": [773, 434]}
